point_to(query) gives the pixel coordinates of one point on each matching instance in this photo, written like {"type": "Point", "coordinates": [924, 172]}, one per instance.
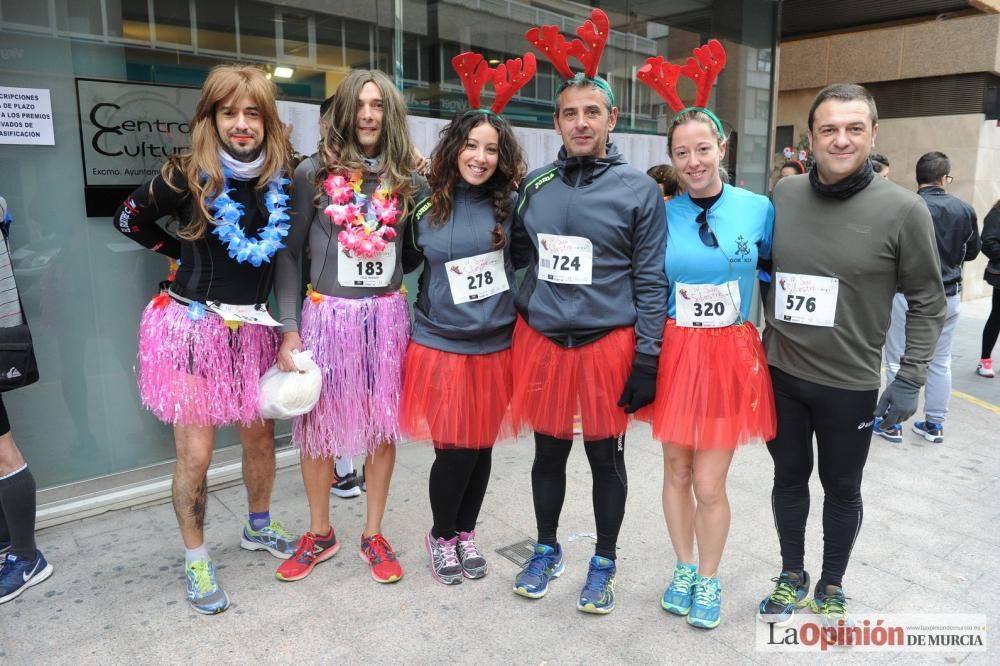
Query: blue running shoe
{"type": "Point", "coordinates": [677, 597]}
{"type": "Point", "coordinates": [893, 434]}
{"type": "Point", "coordinates": [203, 591]}
{"type": "Point", "coordinates": [706, 604]}
{"type": "Point", "coordinates": [598, 593]}
{"type": "Point", "coordinates": [932, 432]}
{"type": "Point", "coordinates": [791, 591]}
{"type": "Point", "coordinates": [273, 538]}
{"type": "Point", "coordinates": [18, 574]}
{"type": "Point", "coordinates": [544, 565]}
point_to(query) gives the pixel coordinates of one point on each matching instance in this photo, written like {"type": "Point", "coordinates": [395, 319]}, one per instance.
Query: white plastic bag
{"type": "Point", "coordinates": [287, 394]}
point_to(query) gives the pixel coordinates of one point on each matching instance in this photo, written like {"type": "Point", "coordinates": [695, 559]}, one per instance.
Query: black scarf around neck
{"type": "Point", "coordinates": [846, 188]}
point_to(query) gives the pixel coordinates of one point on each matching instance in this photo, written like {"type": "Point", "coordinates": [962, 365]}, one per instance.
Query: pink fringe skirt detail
{"type": "Point", "coordinates": [359, 344]}
{"type": "Point", "coordinates": [201, 372]}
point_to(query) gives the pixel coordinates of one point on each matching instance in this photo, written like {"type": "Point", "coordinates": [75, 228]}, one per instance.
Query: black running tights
{"type": "Point", "coordinates": [610, 487]}
{"type": "Point", "coordinates": [842, 422]}
{"type": "Point", "coordinates": [992, 328]}
{"type": "Point", "coordinates": [458, 485]}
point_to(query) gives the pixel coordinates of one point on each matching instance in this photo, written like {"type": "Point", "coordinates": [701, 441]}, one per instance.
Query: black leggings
{"type": "Point", "coordinates": [992, 328]}
{"type": "Point", "coordinates": [548, 487]}
{"type": "Point", "coordinates": [458, 485]}
{"type": "Point", "coordinates": [842, 422]}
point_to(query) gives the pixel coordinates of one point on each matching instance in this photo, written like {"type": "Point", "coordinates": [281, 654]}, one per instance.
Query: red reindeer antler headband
{"type": "Point", "coordinates": [703, 69]}
{"type": "Point", "coordinates": [474, 72]}
{"type": "Point", "coordinates": [588, 48]}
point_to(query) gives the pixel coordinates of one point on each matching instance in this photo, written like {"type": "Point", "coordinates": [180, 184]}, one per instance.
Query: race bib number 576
{"type": "Point", "coordinates": [565, 259]}
{"type": "Point", "coordinates": [805, 299]}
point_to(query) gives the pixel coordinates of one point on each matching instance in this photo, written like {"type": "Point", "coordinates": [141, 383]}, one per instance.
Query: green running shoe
{"type": "Point", "coordinates": [274, 538]}
{"type": "Point", "coordinates": [706, 603]}
{"type": "Point", "coordinates": [203, 591]}
{"type": "Point", "coordinates": [677, 597]}
{"type": "Point", "coordinates": [830, 603]}
{"type": "Point", "coordinates": [791, 591]}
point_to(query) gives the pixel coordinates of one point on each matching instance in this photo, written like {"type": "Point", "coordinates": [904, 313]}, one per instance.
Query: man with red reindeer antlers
{"type": "Point", "coordinates": [591, 230]}
{"type": "Point", "coordinates": [458, 375]}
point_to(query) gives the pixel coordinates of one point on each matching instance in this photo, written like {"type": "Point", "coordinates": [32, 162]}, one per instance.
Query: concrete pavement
{"type": "Point", "coordinates": [929, 544]}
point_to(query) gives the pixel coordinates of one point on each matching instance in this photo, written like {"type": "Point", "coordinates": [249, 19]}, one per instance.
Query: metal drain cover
{"type": "Point", "coordinates": [519, 552]}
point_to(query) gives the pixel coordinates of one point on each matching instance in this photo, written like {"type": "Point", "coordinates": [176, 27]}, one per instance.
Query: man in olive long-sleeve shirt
{"type": "Point", "coordinates": [843, 241]}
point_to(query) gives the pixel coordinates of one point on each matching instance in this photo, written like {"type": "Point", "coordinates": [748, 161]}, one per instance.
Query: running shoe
{"type": "Point", "coordinates": [985, 368]}
{"type": "Point", "coordinates": [473, 563]}
{"type": "Point", "coordinates": [274, 538]}
{"type": "Point", "coordinates": [346, 487]}
{"type": "Point", "coordinates": [893, 434]}
{"type": "Point", "coordinates": [17, 574]}
{"type": "Point", "coordinates": [706, 603]}
{"type": "Point", "coordinates": [445, 566]}
{"type": "Point", "coordinates": [377, 552]}
{"type": "Point", "coordinates": [598, 593]}
{"type": "Point", "coordinates": [312, 550]}
{"type": "Point", "coordinates": [544, 564]}
{"type": "Point", "coordinates": [932, 432]}
{"type": "Point", "coordinates": [203, 591]}
{"type": "Point", "coordinates": [791, 591]}
{"type": "Point", "coordinates": [830, 604]}
{"type": "Point", "coordinates": [677, 597]}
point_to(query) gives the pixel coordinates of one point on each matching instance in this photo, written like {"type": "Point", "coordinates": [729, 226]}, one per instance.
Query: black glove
{"type": "Point", "coordinates": [898, 402]}
{"type": "Point", "coordinates": [640, 388]}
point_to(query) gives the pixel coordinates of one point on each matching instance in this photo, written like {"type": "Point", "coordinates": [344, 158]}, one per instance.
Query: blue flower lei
{"type": "Point", "coordinates": [227, 214]}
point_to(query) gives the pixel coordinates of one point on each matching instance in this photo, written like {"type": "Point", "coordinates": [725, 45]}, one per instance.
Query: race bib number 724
{"type": "Point", "coordinates": [565, 259]}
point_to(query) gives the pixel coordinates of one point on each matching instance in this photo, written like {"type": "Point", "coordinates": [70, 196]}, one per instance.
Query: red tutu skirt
{"type": "Point", "coordinates": [460, 401]}
{"type": "Point", "coordinates": [713, 390]}
{"type": "Point", "coordinates": [554, 386]}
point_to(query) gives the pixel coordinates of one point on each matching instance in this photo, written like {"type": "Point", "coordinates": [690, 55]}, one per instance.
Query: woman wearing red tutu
{"type": "Point", "coordinates": [457, 377]}
{"type": "Point", "coordinates": [713, 388]}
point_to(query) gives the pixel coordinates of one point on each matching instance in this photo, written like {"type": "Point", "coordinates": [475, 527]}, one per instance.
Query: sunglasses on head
{"type": "Point", "coordinates": [705, 233]}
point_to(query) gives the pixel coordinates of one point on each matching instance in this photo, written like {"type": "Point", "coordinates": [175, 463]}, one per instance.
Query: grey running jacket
{"type": "Point", "coordinates": [476, 327]}
{"type": "Point", "coordinates": [620, 210]}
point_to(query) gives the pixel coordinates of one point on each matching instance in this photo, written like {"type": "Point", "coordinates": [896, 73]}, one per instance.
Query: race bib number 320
{"type": "Point", "coordinates": [565, 259]}
{"type": "Point", "coordinates": [354, 271]}
{"type": "Point", "coordinates": [476, 278]}
{"type": "Point", "coordinates": [805, 299]}
{"type": "Point", "coordinates": [707, 305]}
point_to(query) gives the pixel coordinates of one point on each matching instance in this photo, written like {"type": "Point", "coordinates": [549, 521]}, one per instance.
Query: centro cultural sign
{"type": "Point", "coordinates": [128, 130]}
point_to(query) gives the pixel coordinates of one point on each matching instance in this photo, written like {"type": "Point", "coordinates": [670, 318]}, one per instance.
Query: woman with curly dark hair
{"type": "Point", "coordinates": [457, 380]}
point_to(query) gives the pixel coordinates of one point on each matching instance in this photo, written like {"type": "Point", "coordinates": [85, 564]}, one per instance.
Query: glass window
{"type": "Point", "coordinates": [26, 13]}
{"type": "Point", "coordinates": [173, 22]}
{"type": "Point", "coordinates": [81, 16]}
{"type": "Point", "coordinates": [133, 21]}
{"type": "Point", "coordinates": [257, 29]}
{"type": "Point", "coordinates": [295, 38]}
{"type": "Point", "coordinates": [215, 25]}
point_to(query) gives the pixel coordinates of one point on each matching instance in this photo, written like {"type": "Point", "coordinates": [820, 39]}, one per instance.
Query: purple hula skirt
{"type": "Point", "coordinates": [359, 344]}
{"type": "Point", "coordinates": [201, 372]}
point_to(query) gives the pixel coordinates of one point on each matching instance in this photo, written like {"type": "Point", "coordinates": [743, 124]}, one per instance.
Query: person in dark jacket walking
{"type": "Point", "coordinates": [991, 248]}
{"type": "Point", "coordinates": [957, 236]}
{"type": "Point", "coordinates": [457, 378]}
{"type": "Point", "coordinates": [591, 306]}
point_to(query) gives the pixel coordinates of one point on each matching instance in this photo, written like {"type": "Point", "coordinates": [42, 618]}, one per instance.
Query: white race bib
{"type": "Point", "coordinates": [360, 272]}
{"type": "Point", "coordinates": [565, 259]}
{"type": "Point", "coordinates": [707, 305]}
{"type": "Point", "coordinates": [805, 299]}
{"type": "Point", "coordinates": [245, 314]}
{"type": "Point", "coordinates": [478, 277]}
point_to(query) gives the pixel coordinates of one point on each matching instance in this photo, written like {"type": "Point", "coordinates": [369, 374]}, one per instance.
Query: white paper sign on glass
{"type": "Point", "coordinates": [805, 299]}
{"type": "Point", "coordinates": [565, 259]}
{"type": "Point", "coordinates": [245, 314]}
{"type": "Point", "coordinates": [707, 305]}
{"type": "Point", "coordinates": [26, 116]}
{"type": "Point", "coordinates": [354, 271]}
{"type": "Point", "coordinates": [476, 278]}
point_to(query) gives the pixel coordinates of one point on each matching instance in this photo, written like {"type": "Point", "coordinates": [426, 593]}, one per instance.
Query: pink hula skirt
{"type": "Point", "coordinates": [460, 401]}
{"type": "Point", "coordinates": [713, 389]}
{"type": "Point", "coordinates": [201, 372]}
{"type": "Point", "coordinates": [553, 386]}
{"type": "Point", "coordinates": [359, 344]}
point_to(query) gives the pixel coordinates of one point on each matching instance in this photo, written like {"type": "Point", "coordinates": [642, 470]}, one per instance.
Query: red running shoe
{"type": "Point", "coordinates": [312, 550]}
{"type": "Point", "coordinates": [377, 552]}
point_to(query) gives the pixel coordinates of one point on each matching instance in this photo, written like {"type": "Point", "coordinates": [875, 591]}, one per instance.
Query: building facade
{"type": "Point", "coordinates": [120, 78]}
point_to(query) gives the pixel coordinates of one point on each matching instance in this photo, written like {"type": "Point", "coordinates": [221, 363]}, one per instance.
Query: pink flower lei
{"type": "Point", "coordinates": [366, 223]}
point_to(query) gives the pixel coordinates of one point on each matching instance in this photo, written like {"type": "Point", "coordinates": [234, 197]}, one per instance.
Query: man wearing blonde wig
{"type": "Point", "coordinates": [204, 343]}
